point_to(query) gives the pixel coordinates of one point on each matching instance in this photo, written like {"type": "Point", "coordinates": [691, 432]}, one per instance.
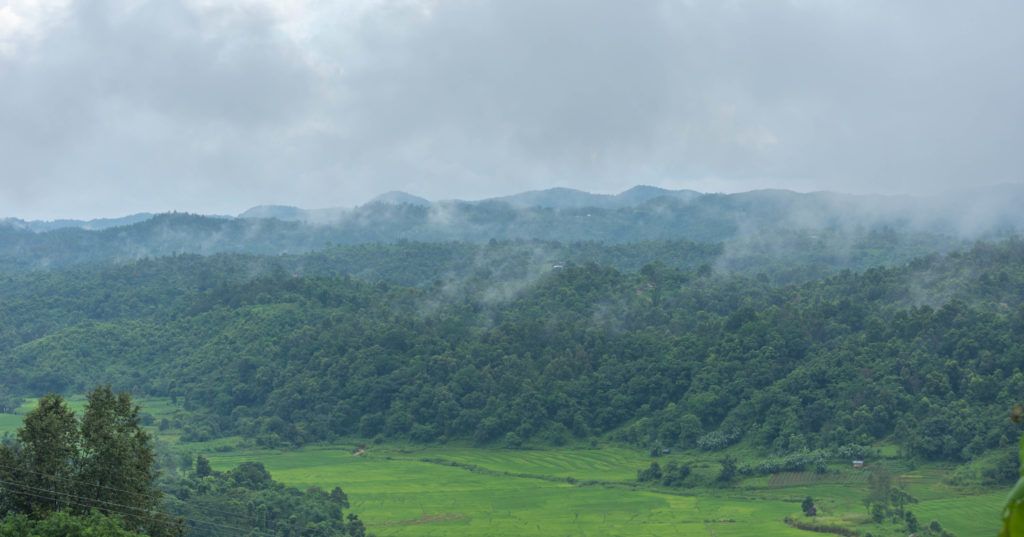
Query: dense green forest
{"type": "Point", "coordinates": [100, 476]}
{"type": "Point", "coordinates": [925, 353]}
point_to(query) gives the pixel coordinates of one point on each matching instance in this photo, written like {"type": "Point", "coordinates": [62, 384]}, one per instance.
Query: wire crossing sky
{"type": "Point", "coordinates": [112, 107]}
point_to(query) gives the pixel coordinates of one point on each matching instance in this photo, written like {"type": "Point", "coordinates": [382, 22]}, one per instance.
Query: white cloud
{"type": "Point", "coordinates": [24, 21]}
{"type": "Point", "coordinates": [110, 107]}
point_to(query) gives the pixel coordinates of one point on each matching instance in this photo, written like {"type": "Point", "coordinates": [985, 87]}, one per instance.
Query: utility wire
{"type": "Point", "coordinates": [81, 501]}
{"type": "Point", "coordinates": [206, 510]}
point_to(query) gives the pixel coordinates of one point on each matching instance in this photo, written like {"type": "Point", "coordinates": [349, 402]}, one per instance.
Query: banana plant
{"type": "Point", "coordinates": [1013, 512]}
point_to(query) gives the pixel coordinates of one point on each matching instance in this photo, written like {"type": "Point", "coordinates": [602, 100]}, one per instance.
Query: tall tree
{"type": "Point", "coordinates": [118, 471]}
{"type": "Point", "coordinates": [37, 472]}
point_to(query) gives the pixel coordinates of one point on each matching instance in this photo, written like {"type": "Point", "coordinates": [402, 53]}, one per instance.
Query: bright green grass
{"type": "Point", "coordinates": [964, 515]}
{"type": "Point", "coordinates": [158, 407]}
{"type": "Point", "coordinates": [608, 464]}
{"type": "Point", "coordinates": [401, 496]}
{"type": "Point", "coordinates": [9, 423]}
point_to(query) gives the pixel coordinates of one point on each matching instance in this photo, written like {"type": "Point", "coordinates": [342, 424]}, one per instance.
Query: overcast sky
{"type": "Point", "coordinates": [113, 107]}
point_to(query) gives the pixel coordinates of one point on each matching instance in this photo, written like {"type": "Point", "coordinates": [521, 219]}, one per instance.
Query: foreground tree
{"type": "Point", "coordinates": [248, 496]}
{"type": "Point", "coordinates": [118, 461]}
{"type": "Point", "coordinates": [37, 472]}
{"type": "Point", "coordinates": [105, 464]}
{"type": "Point", "coordinates": [63, 524]}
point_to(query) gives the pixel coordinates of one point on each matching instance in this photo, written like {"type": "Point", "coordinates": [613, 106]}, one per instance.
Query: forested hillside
{"type": "Point", "coordinates": [928, 353]}
{"type": "Point", "coordinates": [638, 215]}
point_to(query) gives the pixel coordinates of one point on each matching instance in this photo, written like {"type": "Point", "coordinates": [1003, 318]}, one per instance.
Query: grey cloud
{"type": "Point", "coordinates": [167, 105]}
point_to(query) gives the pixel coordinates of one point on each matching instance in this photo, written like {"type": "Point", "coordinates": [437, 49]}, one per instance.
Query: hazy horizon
{"type": "Point", "coordinates": [240, 211]}
{"type": "Point", "coordinates": [112, 108]}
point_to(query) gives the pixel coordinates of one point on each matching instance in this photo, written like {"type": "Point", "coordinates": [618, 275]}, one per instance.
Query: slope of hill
{"type": "Point", "coordinates": [926, 355]}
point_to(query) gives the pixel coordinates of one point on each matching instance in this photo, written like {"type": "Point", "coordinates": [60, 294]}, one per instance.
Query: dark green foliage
{"type": "Point", "coordinates": [807, 506]}
{"type": "Point", "coordinates": [248, 497]}
{"type": "Point", "coordinates": [512, 441]}
{"type": "Point", "coordinates": [675, 474]}
{"type": "Point", "coordinates": [899, 499]}
{"type": "Point", "coordinates": [63, 524]}
{"type": "Point", "coordinates": [118, 461]}
{"type": "Point", "coordinates": [911, 520]}
{"type": "Point", "coordinates": [935, 528]}
{"type": "Point", "coordinates": [818, 527]}
{"type": "Point", "coordinates": [652, 473]}
{"type": "Point", "coordinates": [203, 467]}
{"type": "Point", "coordinates": [924, 354]}
{"type": "Point", "coordinates": [885, 501]}
{"type": "Point", "coordinates": [36, 473]}
{"type": "Point", "coordinates": [796, 462]}
{"type": "Point", "coordinates": [1003, 470]}
{"type": "Point", "coordinates": [728, 471]}
{"type": "Point", "coordinates": [104, 463]}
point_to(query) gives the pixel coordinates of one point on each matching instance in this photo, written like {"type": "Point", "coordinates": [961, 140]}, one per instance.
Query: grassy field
{"type": "Point", "coordinates": [434, 491]}
{"type": "Point", "coordinates": [398, 493]}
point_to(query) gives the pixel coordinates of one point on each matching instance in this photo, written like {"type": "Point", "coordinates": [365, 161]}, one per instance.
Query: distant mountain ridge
{"type": "Point", "coordinates": [397, 197]}
{"type": "Point", "coordinates": [559, 215]}
{"type": "Point", "coordinates": [551, 198]}
{"type": "Point", "coordinates": [94, 224]}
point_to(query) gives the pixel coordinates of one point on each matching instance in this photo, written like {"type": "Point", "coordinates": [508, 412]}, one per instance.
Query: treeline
{"type": "Point", "coordinates": [94, 476]}
{"type": "Point", "coordinates": [99, 475]}
{"type": "Point", "coordinates": [213, 504]}
{"type": "Point", "coordinates": [843, 226]}
{"type": "Point", "coordinates": [928, 354]}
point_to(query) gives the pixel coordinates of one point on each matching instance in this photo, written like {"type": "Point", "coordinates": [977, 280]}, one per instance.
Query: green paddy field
{"type": "Point", "coordinates": [455, 491]}
{"type": "Point", "coordinates": [409, 492]}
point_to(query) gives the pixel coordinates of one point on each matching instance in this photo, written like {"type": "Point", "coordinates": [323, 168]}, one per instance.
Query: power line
{"type": "Point", "coordinates": [57, 497]}
{"type": "Point", "coordinates": [69, 501]}
{"type": "Point", "coordinates": [205, 510]}
{"type": "Point", "coordinates": [81, 501]}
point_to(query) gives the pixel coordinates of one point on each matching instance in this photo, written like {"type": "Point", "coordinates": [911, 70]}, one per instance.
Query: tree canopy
{"type": "Point", "coordinates": [101, 465]}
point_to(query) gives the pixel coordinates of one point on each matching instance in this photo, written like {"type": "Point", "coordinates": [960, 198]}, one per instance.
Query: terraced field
{"type": "Point", "coordinates": [399, 493]}
{"type": "Point", "coordinates": [435, 491]}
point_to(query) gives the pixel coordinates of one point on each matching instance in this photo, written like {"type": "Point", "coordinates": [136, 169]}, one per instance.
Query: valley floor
{"type": "Point", "coordinates": [412, 492]}
{"type": "Point", "coordinates": [453, 491]}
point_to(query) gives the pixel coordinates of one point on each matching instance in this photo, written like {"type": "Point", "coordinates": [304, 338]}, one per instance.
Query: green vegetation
{"type": "Point", "coordinates": [504, 492]}
{"type": "Point", "coordinates": [96, 477]}
{"type": "Point", "coordinates": [414, 490]}
{"type": "Point", "coordinates": [829, 229]}
{"type": "Point", "coordinates": [62, 524]}
{"type": "Point", "coordinates": [247, 497]}
{"type": "Point", "coordinates": [102, 463]}
{"type": "Point", "coordinates": [921, 355]}
{"type": "Point", "coordinates": [656, 387]}
{"type": "Point", "coordinates": [1013, 511]}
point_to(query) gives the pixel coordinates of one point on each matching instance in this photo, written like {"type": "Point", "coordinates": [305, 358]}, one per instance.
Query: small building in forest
{"type": "Point", "coordinates": [858, 464]}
